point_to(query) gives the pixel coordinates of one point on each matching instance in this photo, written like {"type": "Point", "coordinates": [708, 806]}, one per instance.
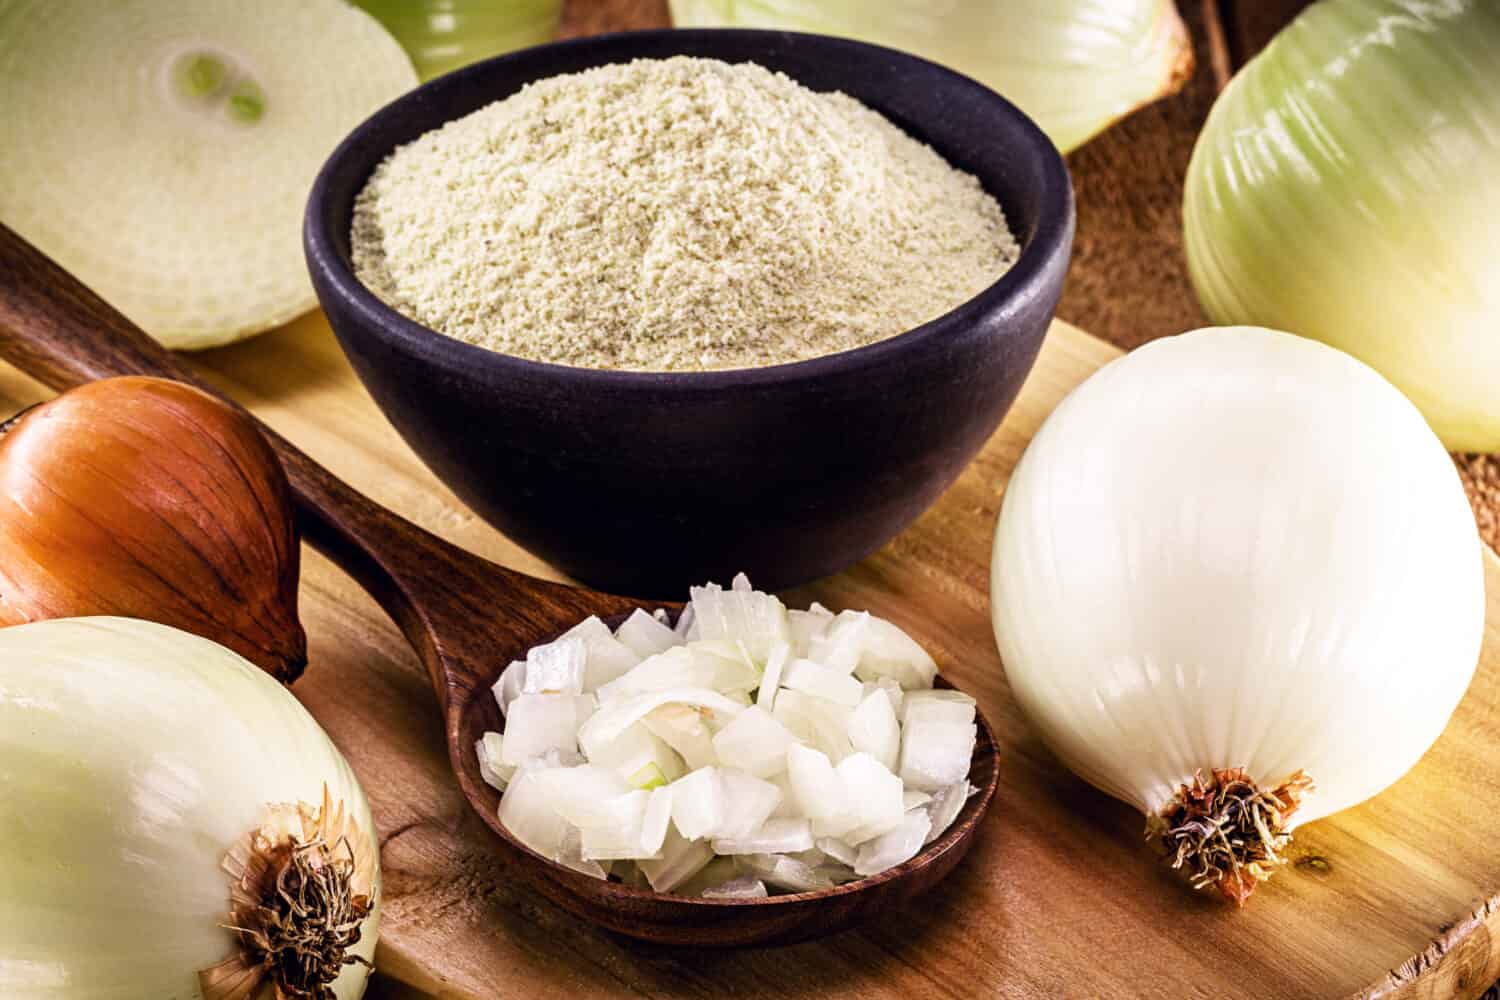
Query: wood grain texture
{"type": "Point", "coordinates": [1059, 896]}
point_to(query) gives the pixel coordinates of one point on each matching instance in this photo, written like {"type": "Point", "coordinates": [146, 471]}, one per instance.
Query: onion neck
{"type": "Point", "coordinates": [1228, 832]}
{"type": "Point", "coordinates": [300, 893]}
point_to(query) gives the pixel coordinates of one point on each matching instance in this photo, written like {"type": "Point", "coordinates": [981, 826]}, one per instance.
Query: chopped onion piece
{"type": "Point", "coordinates": [682, 728]}
{"type": "Point", "coordinates": [508, 688]}
{"type": "Point", "coordinates": [937, 705]}
{"type": "Point", "coordinates": [526, 811]}
{"type": "Point", "coordinates": [754, 742]}
{"type": "Point", "coordinates": [716, 872]}
{"type": "Point", "coordinates": [775, 836]}
{"type": "Point", "coordinates": [808, 626]}
{"type": "Point", "coordinates": [787, 808]}
{"type": "Point", "coordinates": [837, 850]}
{"type": "Point", "coordinates": [679, 860]}
{"type": "Point", "coordinates": [644, 636]}
{"type": "Point", "coordinates": [823, 723]}
{"type": "Point", "coordinates": [814, 782]}
{"type": "Point", "coordinates": [895, 847]}
{"type": "Point", "coordinates": [770, 679]}
{"type": "Point", "coordinates": [570, 855]}
{"type": "Point", "coordinates": [934, 754]}
{"type": "Point", "coordinates": [490, 749]}
{"type": "Point", "coordinates": [737, 669]}
{"type": "Point", "coordinates": [622, 835]}
{"type": "Point", "coordinates": [748, 803]}
{"type": "Point", "coordinates": [836, 873]}
{"type": "Point", "coordinates": [686, 628]}
{"type": "Point", "coordinates": [607, 843]}
{"type": "Point", "coordinates": [873, 729]}
{"type": "Point", "coordinates": [784, 872]}
{"type": "Point", "coordinates": [607, 657]}
{"type": "Point", "coordinates": [636, 751]}
{"type": "Point", "coordinates": [756, 619]}
{"type": "Point", "coordinates": [556, 667]}
{"type": "Point", "coordinates": [698, 803]}
{"type": "Point", "coordinates": [541, 722]}
{"type": "Point", "coordinates": [884, 650]}
{"type": "Point", "coordinates": [558, 757]}
{"type": "Point", "coordinates": [913, 798]}
{"type": "Point", "coordinates": [874, 795]}
{"type": "Point", "coordinates": [647, 778]}
{"type": "Point", "coordinates": [656, 820]}
{"type": "Point", "coordinates": [892, 690]}
{"type": "Point", "coordinates": [588, 795]}
{"type": "Point", "coordinates": [682, 667]}
{"type": "Point", "coordinates": [821, 682]}
{"type": "Point", "coordinates": [613, 719]}
{"type": "Point", "coordinates": [743, 887]}
{"type": "Point", "coordinates": [945, 806]}
{"type": "Point", "coordinates": [840, 645]}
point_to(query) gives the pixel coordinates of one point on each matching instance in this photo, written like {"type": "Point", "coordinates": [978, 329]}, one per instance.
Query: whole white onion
{"type": "Point", "coordinates": [1231, 549]}
{"type": "Point", "coordinates": [153, 786]}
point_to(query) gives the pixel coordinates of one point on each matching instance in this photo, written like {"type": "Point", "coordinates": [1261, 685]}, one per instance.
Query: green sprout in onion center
{"type": "Point", "coordinates": [209, 81]}
{"type": "Point", "coordinates": [1228, 832]}
{"type": "Point", "coordinates": [247, 103]}
{"type": "Point", "coordinates": [199, 74]}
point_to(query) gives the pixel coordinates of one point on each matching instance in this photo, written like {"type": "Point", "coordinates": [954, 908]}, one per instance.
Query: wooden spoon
{"type": "Point", "coordinates": [466, 618]}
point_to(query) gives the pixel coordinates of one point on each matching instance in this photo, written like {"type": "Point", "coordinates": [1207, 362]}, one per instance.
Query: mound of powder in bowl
{"type": "Point", "coordinates": [674, 215]}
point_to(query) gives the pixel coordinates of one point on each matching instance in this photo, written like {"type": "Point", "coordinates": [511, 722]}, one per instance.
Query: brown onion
{"type": "Point", "coordinates": [147, 498]}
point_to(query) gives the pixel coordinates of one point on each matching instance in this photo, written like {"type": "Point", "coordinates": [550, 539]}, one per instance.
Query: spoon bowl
{"type": "Point", "coordinates": [719, 923]}
{"type": "Point", "coordinates": [465, 618]}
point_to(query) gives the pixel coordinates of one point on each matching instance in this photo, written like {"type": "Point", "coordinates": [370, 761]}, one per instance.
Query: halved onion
{"type": "Point", "coordinates": [163, 152]}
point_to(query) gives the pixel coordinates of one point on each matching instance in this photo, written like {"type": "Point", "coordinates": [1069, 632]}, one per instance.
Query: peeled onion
{"type": "Point", "coordinates": [154, 787]}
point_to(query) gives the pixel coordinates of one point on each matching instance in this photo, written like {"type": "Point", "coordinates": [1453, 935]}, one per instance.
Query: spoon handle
{"type": "Point", "coordinates": [61, 333]}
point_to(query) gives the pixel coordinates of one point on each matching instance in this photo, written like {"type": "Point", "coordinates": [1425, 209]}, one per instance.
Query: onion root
{"type": "Point", "coordinates": [1227, 833]}
{"type": "Point", "coordinates": [301, 889]}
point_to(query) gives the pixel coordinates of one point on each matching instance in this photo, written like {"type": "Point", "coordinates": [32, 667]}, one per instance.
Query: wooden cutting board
{"type": "Point", "coordinates": [1060, 898]}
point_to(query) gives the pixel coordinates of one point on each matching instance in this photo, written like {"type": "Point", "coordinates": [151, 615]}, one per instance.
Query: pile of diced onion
{"type": "Point", "coordinates": [748, 750]}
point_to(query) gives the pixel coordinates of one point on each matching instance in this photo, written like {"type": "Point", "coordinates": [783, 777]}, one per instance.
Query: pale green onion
{"type": "Point", "coordinates": [443, 35]}
{"type": "Point", "coordinates": [1347, 188]}
{"type": "Point", "coordinates": [1075, 66]}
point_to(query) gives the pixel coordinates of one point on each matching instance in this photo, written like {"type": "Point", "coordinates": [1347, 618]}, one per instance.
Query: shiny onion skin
{"type": "Point", "coordinates": [152, 787]}
{"type": "Point", "coordinates": [1346, 187]}
{"type": "Point", "coordinates": [146, 498]}
{"type": "Point", "coordinates": [1243, 552]}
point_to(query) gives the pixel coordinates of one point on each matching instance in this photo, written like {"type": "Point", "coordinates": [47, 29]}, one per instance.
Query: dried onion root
{"type": "Point", "coordinates": [1227, 833]}
{"type": "Point", "coordinates": [301, 892]}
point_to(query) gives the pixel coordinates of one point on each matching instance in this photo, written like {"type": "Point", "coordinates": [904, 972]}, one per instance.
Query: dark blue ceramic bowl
{"type": "Point", "coordinates": [643, 483]}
